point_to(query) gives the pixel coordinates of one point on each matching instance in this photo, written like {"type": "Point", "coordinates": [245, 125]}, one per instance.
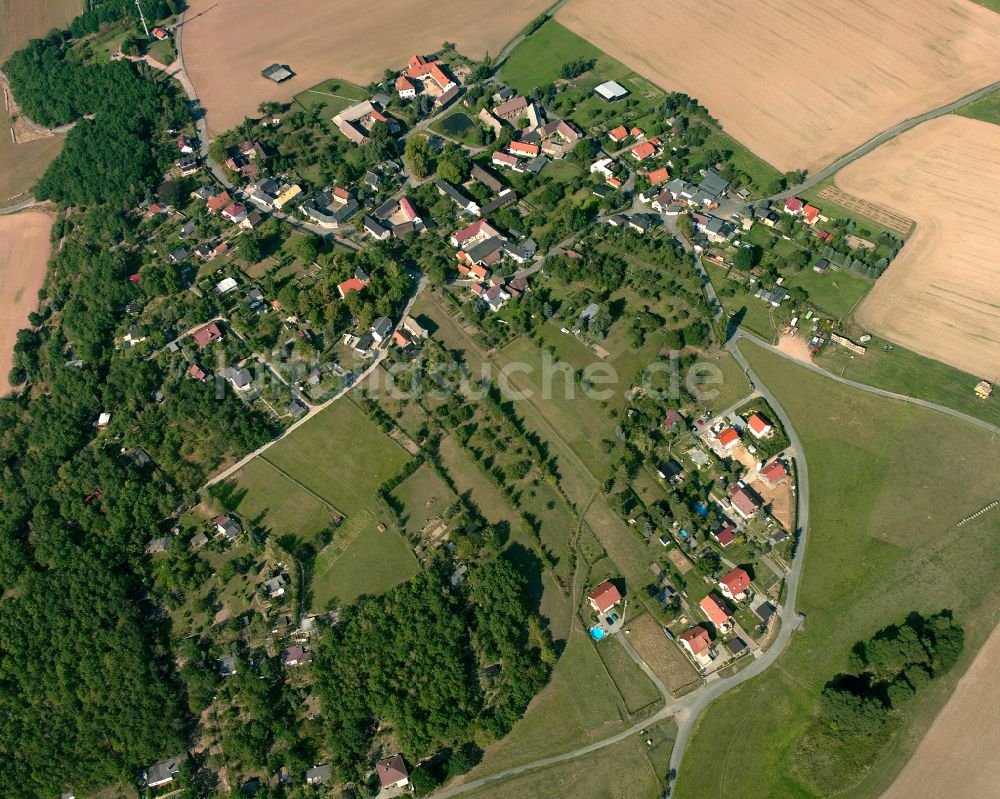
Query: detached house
{"type": "Point", "coordinates": [392, 774]}
{"type": "Point", "coordinates": [206, 335]}
{"type": "Point", "coordinates": [745, 502]}
{"type": "Point", "coordinates": [774, 473]}
{"type": "Point", "coordinates": [717, 613]}
{"type": "Point", "coordinates": [697, 642]}
{"type": "Point", "coordinates": [603, 597]}
{"type": "Point", "coordinates": [759, 426]}
{"type": "Point", "coordinates": [727, 438]}
{"type": "Point", "coordinates": [735, 585]}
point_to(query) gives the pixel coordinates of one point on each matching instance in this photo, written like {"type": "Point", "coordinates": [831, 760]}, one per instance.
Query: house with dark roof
{"type": "Point", "coordinates": [317, 775]}
{"type": "Point", "coordinates": [381, 329]}
{"type": "Point", "coordinates": [227, 526]}
{"type": "Point", "coordinates": [392, 773]}
{"type": "Point", "coordinates": [161, 773]}
{"type": "Point", "coordinates": [295, 656]}
{"type": "Point", "coordinates": [464, 203]}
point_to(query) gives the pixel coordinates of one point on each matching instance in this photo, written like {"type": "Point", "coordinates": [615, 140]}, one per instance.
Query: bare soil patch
{"type": "Point", "coordinates": [802, 83]}
{"type": "Point", "coordinates": [778, 498]}
{"type": "Point", "coordinates": [24, 253]}
{"type": "Point", "coordinates": [21, 20]}
{"type": "Point", "coordinates": [941, 295]}
{"type": "Point", "coordinates": [957, 758]}
{"type": "Point", "coordinates": [661, 654]}
{"type": "Point", "coordinates": [797, 347]}
{"type": "Point", "coordinates": [227, 43]}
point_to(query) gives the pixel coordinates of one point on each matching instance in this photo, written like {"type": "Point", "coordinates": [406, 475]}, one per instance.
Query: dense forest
{"type": "Point", "coordinates": [859, 711]}
{"type": "Point", "coordinates": [414, 659]}
{"type": "Point", "coordinates": [88, 693]}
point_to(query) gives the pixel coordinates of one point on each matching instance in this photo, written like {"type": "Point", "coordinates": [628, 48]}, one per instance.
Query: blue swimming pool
{"type": "Point", "coordinates": [702, 509]}
{"type": "Point", "coordinates": [597, 632]}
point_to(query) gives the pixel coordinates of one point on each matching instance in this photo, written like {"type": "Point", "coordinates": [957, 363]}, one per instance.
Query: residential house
{"type": "Point", "coordinates": [511, 110]}
{"type": "Point", "coordinates": [698, 643]}
{"type": "Point", "coordinates": [330, 209]}
{"type": "Point", "coordinates": [156, 546]}
{"type": "Point", "coordinates": [178, 255]}
{"type": "Point", "coordinates": [374, 229]}
{"type": "Point", "coordinates": [603, 597]}
{"type": "Point", "coordinates": [430, 72]}
{"type": "Point", "coordinates": [252, 220]}
{"type": "Point", "coordinates": [774, 473]}
{"type": "Point", "coordinates": [496, 297]}
{"type": "Point", "coordinates": [793, 206]}
{"type": "Point", "coordinates": [759, 426]}
{"type": "Point", "coordinates": [240, 379]}
{"type": "Point", "coordinates": [405, 87]}
{"type": "Point", "coordinates": [187, 166]}
{"type": "Point", "coordinates": [227, 526]}
{"type": "Point", "coordinates": [558, 137]}
{"type": "Point", "coordinates": [206, 335]}
{"type": "Point", "coordinates": [507, 161]}
{"type": "Point", "coordinates": [603, 167]}
{"type": "Point", "coordinates": [712, 188]}
{"type": "Point", "coordinates": [776, 296]}
{"type": "Point", "coordinates": [317, 775]}
{"type": "Point", "coordinates": [745, 501]}
{"type": "Point", "coordinates": [161, 773]}
{"type": "Point", "coordinates": [274, 587]}
{"type": "Point", "coordinates": [463, 202]}
{"type": "Point", "coordinates": [717, 613]}
{"type": "Point", "coordinates": [185, 144]}
{"type": "Point", "coordinates": [735, 584]}
{"type": "Point", "coordinates": [355, 283]}
{"type": "Point", "coordinates": [218, 202]}
{"type": "Point", "coordinates": [197, 372]}
{"type": "Point", "coordinates": [670, 470]}
{"type": "Point", "coordinates": [413, 327]}
{"type": "Point", "coordinates": [658, 176]}
{"type": "Point", "coordinates": [381, 329]}
{"type": "Point", "coordinates": [227, 665]}
{"type": "Point", "coordinates": [727, 438]}
{"type": "Point", "coordinates": [235, 212]}
{"type": "Point", "coordinates": [646, 149]}
{"type": "Point", "coordinates": [672, 419]}
{"type": "Point", "coordinates": [296, 409]}
{"type": "Point", "coordinates": [736, 646]}
{"type": "Point", "coordinates": [725, 534]}
{"type": "Point", "coordinates": [810, 213]}
{"type": "Point", "coordinates": [295, 656]}
{"type": "Point", "coordinates": [286, 196]}
{"type": "Point", "coordinates": [522, 149]}
{"type": "Point", "coordinates": [159, 33]}
{"type": "Point", "coordinates": [619, 134]}
{"type": "Point", "coordinates": [199, 540]}
{"type": "Point", "coordinates": [392, 773]}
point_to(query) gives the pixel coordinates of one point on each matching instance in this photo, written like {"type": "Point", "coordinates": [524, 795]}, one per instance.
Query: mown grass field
{"type": "Point", "coordinates": [906, 372]}
{"type": "Point", "coordinates": [837, 293]}
{"type": "Point", "coordinates": [626, 770]}
{"type": "Point", "coordinates": [423, 496]}
{"type": "Point", "coordinates": [340, 455]}
{"type": "Point", "coordinates": [269, 499]}
{"type": "Point", "coordinates": [634, 687]}
{"type": "Point", "coordinates": [888, 483]}
{"type": "Point", "coordinates": [985, 108]}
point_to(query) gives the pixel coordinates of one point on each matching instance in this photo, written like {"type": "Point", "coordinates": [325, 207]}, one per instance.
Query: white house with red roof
{"type": "Point", "coordinates": [429, 71]}
{"type": "Point", "coordinates": [717, 613]}
{"type": "Point", "coordinates": [658, 176]}
{"type": "Point", "coordinates": [793, 206]}
{"type": "Point", "coordinates": [727, 438]}
{"type": "Point", "coordinates": [697, 642]}
{"type": "Point", "coordinates": [619, 134]}
{"type": "Point", "coordinates": [604, 597]}
{"type": "Point", "coordinates": [523, 149]}
{"type": "Point", "coordinates": [759, 426]}
{"type": "Point", "coordinates": [392, 775]}
{"type": "Point", "coordinates": [735, 584]}
{"type": "Point", "coordinates": [646, 149]}
{"type": "Point", "coordinates": [725, 534]}
{"type": "Point", "coordinates": [405, 87]}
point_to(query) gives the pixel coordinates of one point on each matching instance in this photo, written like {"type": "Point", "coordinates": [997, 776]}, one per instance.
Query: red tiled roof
{"type": "Point", "coordinates": [218, 202]}
{"type": "Point", "coordinates": [636, 132]}
{"type": "Point", "coordinates": [757, 424]}
{"type": "Point", "coordinates": [737, 581]}
{"type": "Point", "coordinates": [715, 612]}
{"type": "Point", "coordinates": [233, 209]}
{"type": "Point", "coordinates": [401, 340]}
{"type": "Point", "coordinates": [725, 535]}
{"type": "Point", "coordinates": [643, 151]}
{"type": "Point", "coordinates": [207, 335]}
{"type": "Point", "coordinates": [613, 181]}
{"type": "Point", "coordinates": [774, 473]}
{"type": "Point", "coordinates": [408, 210]}
{"type": "Point", "coordinates": [504, 158]}
{"type": "Point", "coordinates": [197, 372]}
{"type": "Point", "coordinates": [391, 771]}
{"type": "Point", "coordinates": [697, 638]}
{"type": "Point", "coordinates": [793, 204]}
{"type": "Point", "coordinates": [810, 212]}
{"type": "Point", "coordinates": [618, 133]}
{"type": "Point", "coordinates": [353, 284]}
{"type": "Point", "coordinates": [402, 84]}
{"type": "Point", "coordinates": [524, 147]}
{"type": "Point", "coordinates": [341, 194]}
{"type": "Point", "coordinates": [727, 437]}
{"type": "Point", "coordinates": [604, 596]}
{"type": "Point", "coordinates": [658, 176]}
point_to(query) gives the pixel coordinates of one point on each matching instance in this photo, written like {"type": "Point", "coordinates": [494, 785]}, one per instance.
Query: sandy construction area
{"type": "Point", "coordinates": [957, 758]}
{"type": "Point", "coordinates": [227, 43]}
{"type": "Point", "coordinates": [802, 83]}
{"type": "Point", "coordinates": [24, 253]}
{"type": "Point", "coordinates": [941, 295]}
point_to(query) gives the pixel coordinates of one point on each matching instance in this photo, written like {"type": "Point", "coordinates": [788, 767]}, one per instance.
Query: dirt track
{"type": "Point", "coordinates": [957, 758]}
{"type": "Point", "coordinates": [802, 83]}
{"type": "Point", "coordinates": [941, 295]}
{"type": "Point", "coordinates": [24, 253]}
{"type": "Point", "coordinates": [227, 43]}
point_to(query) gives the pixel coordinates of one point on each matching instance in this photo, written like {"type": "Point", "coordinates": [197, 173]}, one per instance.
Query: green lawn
{"type": "Point", "coordinates": [636, 689]}
{"type": "Point", "coordinates": [985, 108]}
{"type": "Point", "coordinates": [906, 372]}
{"type": "Point", "coordinates": [270, 500]}
{"type": "Point", "coordinates": [372, 563]}
{"type": "Point", "coordinates": [423, 496]}
{"type": "Point", "coordinates": [837, 293]}
{"type": "Point", "coordinates": [759, 171]}
{"type": "Point", "coordinates": [755, 315]}
{"type": "Point", "coordinates": [622, 771]}
{"type": "Point", "coordinates": [734, 384]}
{"type": "Point", "coordinates": [333, 95]}
{"type": "Point", "coordinates": [992, 5]}
{"type": "Point", "coordinates": [882, 544]}
{"type": "Point", "coordinates": [340, 455]}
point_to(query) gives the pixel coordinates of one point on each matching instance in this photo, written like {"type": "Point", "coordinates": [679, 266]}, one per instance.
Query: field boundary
{"type": "Point", "coordinates": [886, 217]}
{"type": "Point", "coordinates": [309, 491]}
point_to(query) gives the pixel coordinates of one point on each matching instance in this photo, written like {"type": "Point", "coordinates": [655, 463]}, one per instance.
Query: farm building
{"type": "Point", "coordinates": [277, 72]}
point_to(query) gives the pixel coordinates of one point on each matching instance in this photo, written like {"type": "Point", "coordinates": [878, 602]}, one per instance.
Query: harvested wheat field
{"type": "Point", "coordinates": [802, 83]}
{"type": "Point", "coordinates": [941, 295]}
{"type": "Point", "coordinates": [24, 252]}
{"type": "Point", "coordinates": [957, 758]}
{"type": "Point", "coordinates": [21, 20]}
{"type": "Point", "coordinates": [227, 43]}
